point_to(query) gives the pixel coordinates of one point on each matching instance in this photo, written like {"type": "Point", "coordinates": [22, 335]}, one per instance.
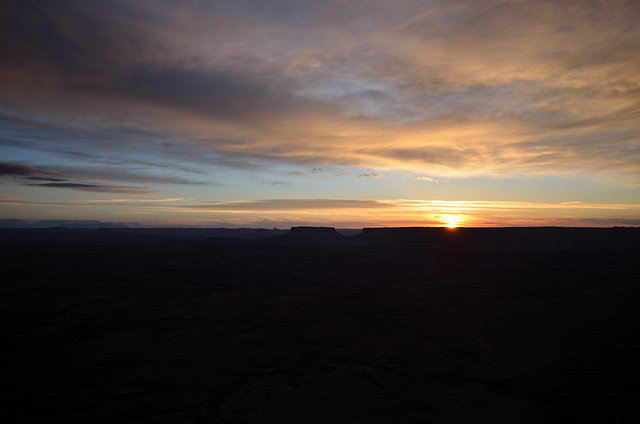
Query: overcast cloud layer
{"type": "Point", "coordinates": [128, 97]}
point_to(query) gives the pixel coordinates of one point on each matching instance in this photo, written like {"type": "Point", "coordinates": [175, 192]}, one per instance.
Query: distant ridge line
{"type": "Point", "coordinates": [495, 238]}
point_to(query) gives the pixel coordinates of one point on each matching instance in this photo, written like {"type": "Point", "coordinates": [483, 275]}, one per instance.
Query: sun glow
{"type": "Point", "coordinates": [451, 221]}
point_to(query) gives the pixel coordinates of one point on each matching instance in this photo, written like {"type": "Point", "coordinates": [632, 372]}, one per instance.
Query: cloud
{"type": "Point", "coordinates": [56, 180]}
{"type": "Point", "coordinates": [369, 175]}
{"type": "Point", "coordinates": [96, 188]}
{"type": "Point", "coordinates": [291, 204]}
{"type": "Point", "coordinates": [128, 173]}
{"type": "Point", "coordinates": [16, 169]}
{"type": "Point", "coordinates": [457, 88]}
{"type": "Point", "coordinates": [27, 172]}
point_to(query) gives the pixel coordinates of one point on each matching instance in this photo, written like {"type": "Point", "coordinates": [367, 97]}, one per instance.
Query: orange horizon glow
{"type": "Point", "coordinates": [451, 221]}
{"type": "Point", "coordinates": [334, 212]}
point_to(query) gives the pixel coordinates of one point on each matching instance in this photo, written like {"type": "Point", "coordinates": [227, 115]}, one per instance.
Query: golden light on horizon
{"type": "Point", "coordinates": [451, 221]}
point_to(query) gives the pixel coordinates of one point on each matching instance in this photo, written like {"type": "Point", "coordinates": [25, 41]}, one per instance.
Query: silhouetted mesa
{"type": "Point", "coordinates": [535, 238]}
{"type": "Point", "coordinates": [312, 235]}
{"type": "Point", "coordinates": [419, 235]}
{"type": "Point", "coordinates": [504, 238]}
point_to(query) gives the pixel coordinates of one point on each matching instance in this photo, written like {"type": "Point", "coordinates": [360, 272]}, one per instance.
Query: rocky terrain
{"type": "Point", "coordinates": [315, 327]}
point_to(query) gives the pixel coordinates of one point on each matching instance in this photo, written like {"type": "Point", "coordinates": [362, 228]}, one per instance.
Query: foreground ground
{"type": "Point", "coordinates": [206, 331]}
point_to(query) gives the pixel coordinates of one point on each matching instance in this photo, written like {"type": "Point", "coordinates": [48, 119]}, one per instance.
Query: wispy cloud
{"type": "Point", "coordinates": [27, 175]}
{"type": "Point", "coordinates": [292, 205]}
{"type": "Point", "coordinates": [429, 179]}
{"type": "Point", "coordinates": [96, 188]}
{"type": "Point", "coordinates": [16, 169]}
{"type": "Point", "coordinates": [25, 171]}
{"type": "Point", "coordinates": [55, 180]}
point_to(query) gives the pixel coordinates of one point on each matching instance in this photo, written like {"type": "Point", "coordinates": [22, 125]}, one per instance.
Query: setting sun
{"type": "Point", "coordinates": [451, 221]}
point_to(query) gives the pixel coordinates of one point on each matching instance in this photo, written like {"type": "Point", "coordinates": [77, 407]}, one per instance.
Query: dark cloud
{"type": "Point", "coordinates": [214, 94]}
{"type": "Point", "coordinates": [29, 173]}
{"type": "Point", "coordinates": [17, 169]}
{"type": "Point", "coordinates": [98, 51]}
{"type": "Point", "coordinates": [369, 175]}
{"type": "Point", "coordinates": [54, 180]}
{"type": "Point", "coordinates": [96, 188]}
{"type": "Point", "coordinates": [67, 42]}
{"type": "Point", "coordinates": [26, 171]}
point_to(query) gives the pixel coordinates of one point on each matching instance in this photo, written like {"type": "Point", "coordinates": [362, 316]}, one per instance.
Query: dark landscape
{"type": "Point", "coordinates": [390, 325]}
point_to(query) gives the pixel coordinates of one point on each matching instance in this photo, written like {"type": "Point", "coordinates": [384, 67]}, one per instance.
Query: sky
{"type": "Point", "coordinates": [335, 113]}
